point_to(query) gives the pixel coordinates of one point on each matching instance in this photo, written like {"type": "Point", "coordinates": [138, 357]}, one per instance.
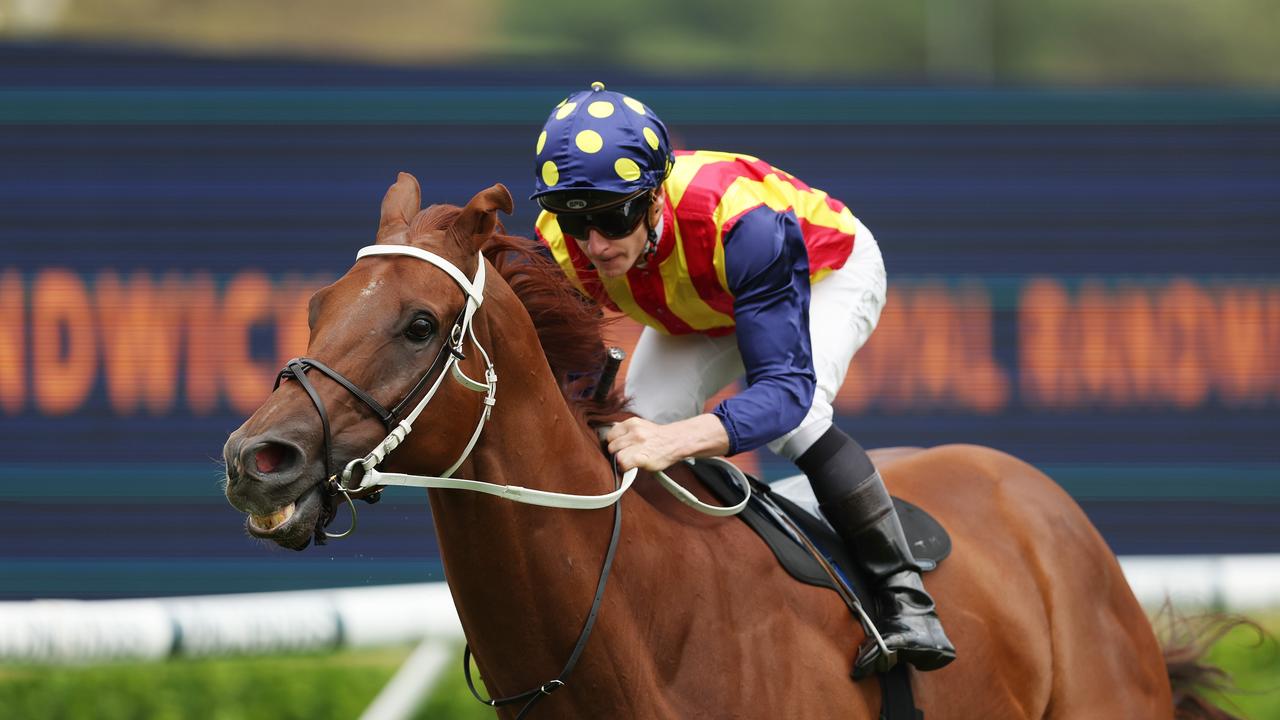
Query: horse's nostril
{"type": "Point", "coordinates": [271, 457]}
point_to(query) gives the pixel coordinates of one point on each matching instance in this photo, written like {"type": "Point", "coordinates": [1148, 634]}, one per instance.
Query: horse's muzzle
{"type": "Point", "coordinates": [271, 480]}
{"type": "Point", "coordinates": [292, 525]}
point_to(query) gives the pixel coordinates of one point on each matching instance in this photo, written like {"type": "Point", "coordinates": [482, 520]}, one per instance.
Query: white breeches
{"type": "Point", "coordinates": [671, 377]}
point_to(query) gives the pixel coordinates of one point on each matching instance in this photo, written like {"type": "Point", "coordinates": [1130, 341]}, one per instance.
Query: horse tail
{"type": "Point", "coordinates": [1191, 677]}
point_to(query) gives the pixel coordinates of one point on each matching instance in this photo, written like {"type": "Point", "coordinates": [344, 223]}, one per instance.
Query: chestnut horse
{"type": "Point", "coordinates": [698, 620]}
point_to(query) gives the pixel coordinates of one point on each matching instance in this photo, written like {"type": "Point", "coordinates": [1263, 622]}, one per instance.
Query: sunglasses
{"type": "Point", "coordinates": [614, 221]}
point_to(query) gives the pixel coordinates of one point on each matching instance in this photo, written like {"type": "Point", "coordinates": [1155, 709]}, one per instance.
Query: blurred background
{"type": "Point", "coordinates": [1077, 202]}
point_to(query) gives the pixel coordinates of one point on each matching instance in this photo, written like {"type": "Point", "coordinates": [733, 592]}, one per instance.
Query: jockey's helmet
{"type": "Point", "coordinates": [597, 147]}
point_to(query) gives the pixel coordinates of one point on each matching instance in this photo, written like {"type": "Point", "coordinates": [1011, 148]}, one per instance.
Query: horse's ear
{"type": "Point", "coordinates": [399, 206]}
{"type": "Point", "coordinates": [480, 216]}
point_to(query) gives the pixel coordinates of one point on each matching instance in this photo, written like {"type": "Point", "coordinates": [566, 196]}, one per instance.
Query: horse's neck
{"type": "Point", "coordinates": [523, 576]}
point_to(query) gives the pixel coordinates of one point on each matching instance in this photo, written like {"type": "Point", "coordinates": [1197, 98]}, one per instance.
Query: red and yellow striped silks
{"type": "Point", "coordinates": [683, 289]}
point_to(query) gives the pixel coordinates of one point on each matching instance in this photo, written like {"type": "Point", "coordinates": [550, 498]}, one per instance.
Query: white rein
{"type": "Point", "coordinates": [474, 290]}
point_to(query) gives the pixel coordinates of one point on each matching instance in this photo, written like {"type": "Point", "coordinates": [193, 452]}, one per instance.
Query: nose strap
{"type": "Point", "coordinates": [383, 414]}
{"type": "Point", "coordinates": [297, 369]}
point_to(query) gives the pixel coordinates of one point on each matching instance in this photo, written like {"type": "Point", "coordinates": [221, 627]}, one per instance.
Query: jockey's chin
{"type": "Point", "coordinates": [614, 267]}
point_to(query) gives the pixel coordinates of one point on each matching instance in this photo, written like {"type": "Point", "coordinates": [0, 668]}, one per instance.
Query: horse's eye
{"type": "Point", "coordinates": [420, 329]}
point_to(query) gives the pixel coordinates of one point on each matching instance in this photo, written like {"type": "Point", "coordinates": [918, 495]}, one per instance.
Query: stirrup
{"type": "Point", "coordinates": [885, 660]}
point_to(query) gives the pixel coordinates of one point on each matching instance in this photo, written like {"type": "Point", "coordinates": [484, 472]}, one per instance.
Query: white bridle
{"type": "Point", "coordinates": [474, 290]}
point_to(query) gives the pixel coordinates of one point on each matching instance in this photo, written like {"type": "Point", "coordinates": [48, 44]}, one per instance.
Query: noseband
{"type": "Point", "coordinates": [398, 427]}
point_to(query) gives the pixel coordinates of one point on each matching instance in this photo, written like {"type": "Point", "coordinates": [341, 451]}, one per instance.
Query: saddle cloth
{"type": "Point", "coordinates": [793, 498]}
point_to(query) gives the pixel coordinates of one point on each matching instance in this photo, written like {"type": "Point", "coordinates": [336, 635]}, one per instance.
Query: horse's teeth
{"type": "Point", "coordinates": [274, 520]}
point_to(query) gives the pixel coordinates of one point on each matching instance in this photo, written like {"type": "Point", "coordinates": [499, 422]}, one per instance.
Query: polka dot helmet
{"type": "Point", "coordinates": [599, 141]}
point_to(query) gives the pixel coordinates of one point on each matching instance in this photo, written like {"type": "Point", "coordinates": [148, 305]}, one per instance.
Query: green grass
{"type": "Point", "coordinates": [1253, 663]}
{"type": "Point", "coordinates": [320, 686]}
{"type": "Point", "coordinates": [340, 685]}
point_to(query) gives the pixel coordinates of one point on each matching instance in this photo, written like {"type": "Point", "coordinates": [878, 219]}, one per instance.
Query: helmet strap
{"type": "Point", "coordinates": [650, 244]}
{"type": "Point", "coordinates": [651, 241]}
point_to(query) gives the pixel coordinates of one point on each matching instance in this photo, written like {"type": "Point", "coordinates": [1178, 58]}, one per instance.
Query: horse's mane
{"type": "Point", "coordinates": [569, 324]}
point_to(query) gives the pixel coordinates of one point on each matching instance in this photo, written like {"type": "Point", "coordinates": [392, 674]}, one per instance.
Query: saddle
{"type": "Point", "coordinates": [773, 504]}
{"type": "Point", "coordinates": [786, 516]}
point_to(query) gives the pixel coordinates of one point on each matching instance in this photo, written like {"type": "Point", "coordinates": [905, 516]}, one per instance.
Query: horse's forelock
{"type": "Point", "coordinates": [436, 217]}
{"type": "Point", "coordinates": [431, 230]}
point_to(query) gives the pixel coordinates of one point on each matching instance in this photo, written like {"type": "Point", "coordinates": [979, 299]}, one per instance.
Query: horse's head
{"type": "Point", "coordinates": [385, 328]}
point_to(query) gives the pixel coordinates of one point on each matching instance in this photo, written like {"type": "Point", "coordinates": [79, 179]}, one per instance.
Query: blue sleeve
{"type": "Point", "coordinates": [767, 267]}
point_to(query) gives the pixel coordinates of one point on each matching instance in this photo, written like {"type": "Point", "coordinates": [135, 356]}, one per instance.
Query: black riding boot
{"type": "Point", "coordinates": [854, 500]}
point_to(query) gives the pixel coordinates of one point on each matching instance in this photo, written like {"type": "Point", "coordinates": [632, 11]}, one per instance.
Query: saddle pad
{"type": "Point", "coordinates": [793, 498]}
{"type": "Point", "coordinates": [929, 541]}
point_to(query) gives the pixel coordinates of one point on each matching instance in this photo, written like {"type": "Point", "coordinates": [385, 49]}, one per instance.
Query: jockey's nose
{"type": "Point", "coordinates": [597, 244]}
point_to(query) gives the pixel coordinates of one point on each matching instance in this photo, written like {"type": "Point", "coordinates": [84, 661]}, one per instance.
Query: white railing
{"type": "Point", "coordinates": [1229, 582]}
{"type": "Point", "coordinates": [88, 631]}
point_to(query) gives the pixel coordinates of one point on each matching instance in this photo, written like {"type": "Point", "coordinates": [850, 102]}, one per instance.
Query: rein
{"type": "Point", "coordinates": [533, 695]}
{"type": "Point", "coordinates": [371, 480]}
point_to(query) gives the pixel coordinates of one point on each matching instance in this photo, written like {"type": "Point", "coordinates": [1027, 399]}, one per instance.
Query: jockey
{"type": "Point", "coordinates": [734, 267]}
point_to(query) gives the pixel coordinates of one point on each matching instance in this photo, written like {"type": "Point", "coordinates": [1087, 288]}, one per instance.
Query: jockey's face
{"type": "Point", "coordinates": [613, 257]}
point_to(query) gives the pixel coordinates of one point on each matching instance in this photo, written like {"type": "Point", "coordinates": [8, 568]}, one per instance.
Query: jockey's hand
{"type": "Point", "coordinates": [639, 443]}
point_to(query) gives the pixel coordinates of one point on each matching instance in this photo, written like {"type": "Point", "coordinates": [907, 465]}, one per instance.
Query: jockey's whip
{"type": "Point", "coordinates": [613, 358]}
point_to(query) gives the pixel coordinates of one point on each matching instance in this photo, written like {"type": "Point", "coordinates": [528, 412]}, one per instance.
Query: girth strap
{"type": "Point", "coordinates": [897, 702]}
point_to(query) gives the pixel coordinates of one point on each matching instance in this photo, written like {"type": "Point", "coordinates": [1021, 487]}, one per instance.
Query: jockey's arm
{"type": "Point", "coordinates": [768, 271]}
{"type": "Point", "coordinates": [767, 267]}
